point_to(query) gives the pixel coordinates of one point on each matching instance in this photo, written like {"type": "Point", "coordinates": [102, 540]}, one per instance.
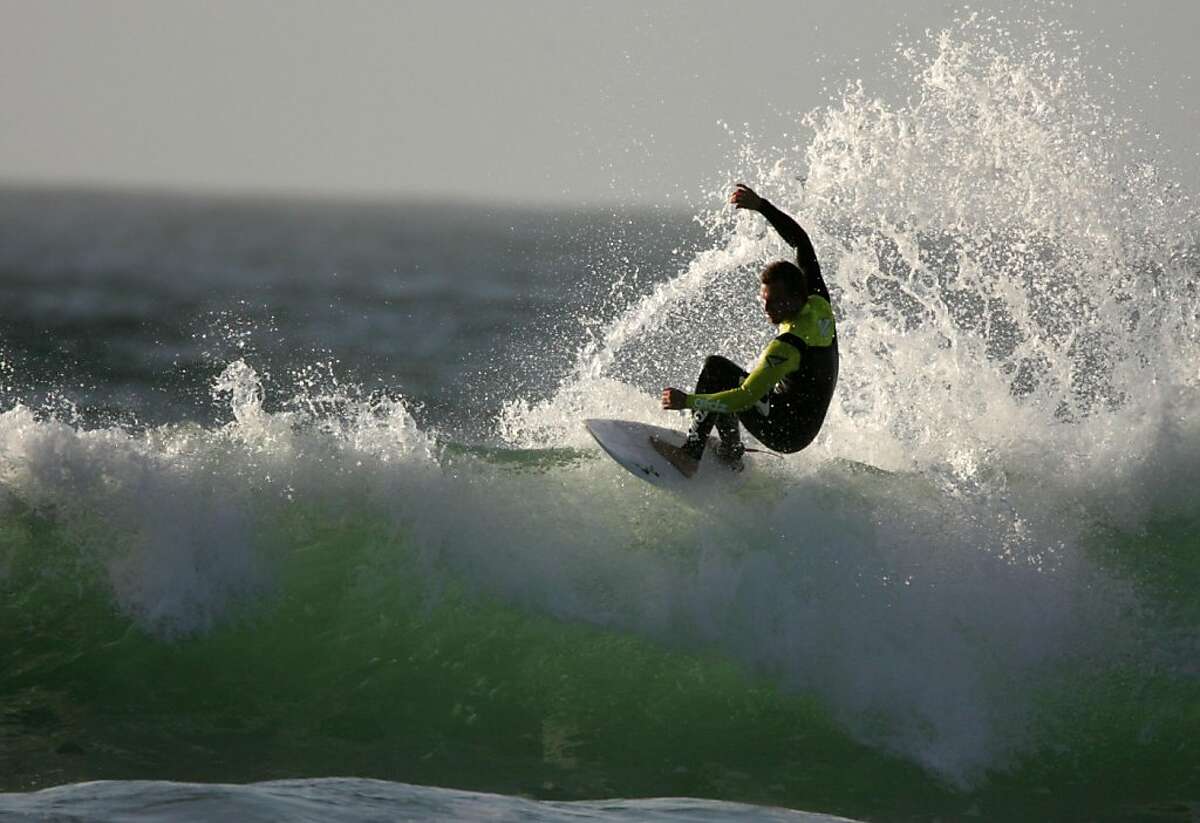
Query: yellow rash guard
{"type": "Point", "coordinates": [813, 325]}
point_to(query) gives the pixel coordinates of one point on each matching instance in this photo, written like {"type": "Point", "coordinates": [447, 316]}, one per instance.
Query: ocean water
{"type": "Point", "coordinates": [293, 491]}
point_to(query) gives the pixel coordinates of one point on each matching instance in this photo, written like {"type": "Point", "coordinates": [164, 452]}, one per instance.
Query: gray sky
{"type": "Point", "coordinates": [536, 101]}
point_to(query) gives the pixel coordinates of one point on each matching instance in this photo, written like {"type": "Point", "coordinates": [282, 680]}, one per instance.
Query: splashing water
{"type": "Point", "coordinates": [990, 259]}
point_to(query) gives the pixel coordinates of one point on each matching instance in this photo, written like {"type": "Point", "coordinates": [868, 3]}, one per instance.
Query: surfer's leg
{"type": "Point", "coordinates": [719, 374]}
{"type": "Point", "coordinates": [788, 427]}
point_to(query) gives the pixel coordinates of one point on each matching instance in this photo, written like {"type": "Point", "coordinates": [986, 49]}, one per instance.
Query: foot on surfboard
{"type": "Point", "coordinates": [676, 456]}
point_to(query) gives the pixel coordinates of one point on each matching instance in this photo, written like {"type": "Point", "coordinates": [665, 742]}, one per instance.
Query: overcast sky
{"type": "Point", "coordinates": [549, 101]}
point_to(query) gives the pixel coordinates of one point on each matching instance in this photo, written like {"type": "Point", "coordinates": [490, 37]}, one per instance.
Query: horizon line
{"type": "Point", "coordinates": [331, 196]}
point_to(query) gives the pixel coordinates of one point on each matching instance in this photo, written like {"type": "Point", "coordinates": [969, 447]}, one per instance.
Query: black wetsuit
{"type": "Point", "coordinates": [784, 401]}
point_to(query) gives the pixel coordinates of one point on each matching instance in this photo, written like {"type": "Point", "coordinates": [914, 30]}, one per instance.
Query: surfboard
{"type": "Point", "coordinates": [628, 443]}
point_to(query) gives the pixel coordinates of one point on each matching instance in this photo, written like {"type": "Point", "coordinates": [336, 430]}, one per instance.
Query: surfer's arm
{"type": "Point", "coordinates": [777, 362]}
{"type": "Point", "coordinates": [797, 238]}
{"type": "Point", "coordinates": [745, 197]}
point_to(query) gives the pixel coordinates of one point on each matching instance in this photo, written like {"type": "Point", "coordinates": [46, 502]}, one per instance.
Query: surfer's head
{"type": "Point", "coordinates": [784, 290]}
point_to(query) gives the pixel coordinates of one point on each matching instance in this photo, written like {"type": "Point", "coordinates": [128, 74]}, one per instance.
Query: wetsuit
{"type": "Point", "coordinates": [783, 401]}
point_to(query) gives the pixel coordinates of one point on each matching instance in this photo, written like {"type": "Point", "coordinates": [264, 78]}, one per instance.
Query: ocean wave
{"type": "Point", "coordinates": [967, 585]}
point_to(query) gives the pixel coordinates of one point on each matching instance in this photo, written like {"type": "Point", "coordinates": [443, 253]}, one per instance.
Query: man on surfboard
{"type": "Point", "coordinates": [784, 400]}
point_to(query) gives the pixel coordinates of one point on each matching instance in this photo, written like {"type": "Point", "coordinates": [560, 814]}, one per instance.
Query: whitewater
{"type": "Point", "coordinates": [228, 557]}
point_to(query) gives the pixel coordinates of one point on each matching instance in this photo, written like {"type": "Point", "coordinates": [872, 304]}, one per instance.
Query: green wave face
{"type": "Point", "coordinates": [341, 619]}
{"type": "Point", "coordinates": [352, 665]}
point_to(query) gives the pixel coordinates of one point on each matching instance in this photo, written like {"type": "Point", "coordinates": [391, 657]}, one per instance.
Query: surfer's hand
{"type": "Point", "coordinates": [744, 197]}
{"type": "Point", "coordinates": [674, 399]}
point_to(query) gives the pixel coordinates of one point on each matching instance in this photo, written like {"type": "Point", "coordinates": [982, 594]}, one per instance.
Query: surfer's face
{"type": "Point", "coordinates": [778, 302]}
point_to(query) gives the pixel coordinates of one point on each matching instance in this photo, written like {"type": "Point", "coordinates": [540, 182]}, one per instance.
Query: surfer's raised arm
{"type": "Point", "coordinates": [744, 197]}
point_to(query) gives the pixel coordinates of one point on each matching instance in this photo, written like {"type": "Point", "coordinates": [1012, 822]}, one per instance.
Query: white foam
{"type": "Point", "coordinates": [356, 800]}
{"type": "Point", "coordinates": [175, 514]}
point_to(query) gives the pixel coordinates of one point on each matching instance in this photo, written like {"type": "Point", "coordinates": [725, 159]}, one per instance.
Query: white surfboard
{"type": "Point", "coordinates": [628, 443]}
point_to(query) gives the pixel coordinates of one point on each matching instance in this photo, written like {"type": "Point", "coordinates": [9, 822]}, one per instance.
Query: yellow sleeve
{"type": "Point", "coordinates": [777, 362]}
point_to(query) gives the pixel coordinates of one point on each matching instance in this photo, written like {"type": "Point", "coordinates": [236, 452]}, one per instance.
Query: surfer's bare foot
{"type": "Point", "coordinates": [677, 457]}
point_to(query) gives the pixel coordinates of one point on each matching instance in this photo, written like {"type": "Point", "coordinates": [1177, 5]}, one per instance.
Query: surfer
{"type": "Point", "coordinates": [783, 401]}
